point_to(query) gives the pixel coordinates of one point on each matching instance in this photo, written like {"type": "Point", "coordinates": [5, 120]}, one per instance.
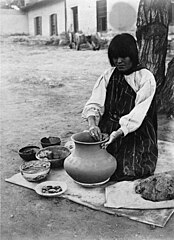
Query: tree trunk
{"type": "Point", "coordinates": [167, 95]}
{"type": "Point", "coordinates": [152, 33]}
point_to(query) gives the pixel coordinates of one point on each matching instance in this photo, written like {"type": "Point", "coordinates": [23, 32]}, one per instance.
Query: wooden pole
{"type": "Point", "coordinates": [65, 15]}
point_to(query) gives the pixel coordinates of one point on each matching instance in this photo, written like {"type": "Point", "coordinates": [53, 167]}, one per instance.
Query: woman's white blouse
{"type": "Point", "coordinates": [144, 85]}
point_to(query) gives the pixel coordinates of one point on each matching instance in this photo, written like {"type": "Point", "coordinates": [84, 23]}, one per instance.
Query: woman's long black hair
{"type": "Point", "coordinates": [123, 45]}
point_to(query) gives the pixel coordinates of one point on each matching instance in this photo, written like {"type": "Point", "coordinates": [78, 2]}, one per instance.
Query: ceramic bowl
{"type": "Point", "coordinates": [50, 141]}
{"type": "Point", "coordinates": [54, 154]}
{"type": "Point", "coordinates": [36, 170]}
{"type": "Point", "coordinates": [28, 153]}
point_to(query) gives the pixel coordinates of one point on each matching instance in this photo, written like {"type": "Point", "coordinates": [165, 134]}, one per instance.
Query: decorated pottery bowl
{"type": "Point", "coordinates": [54, 154]}
{"type": "Point", "coordinates": [28, 153]}
{"type": "Point", "coordinates": [34, 171]}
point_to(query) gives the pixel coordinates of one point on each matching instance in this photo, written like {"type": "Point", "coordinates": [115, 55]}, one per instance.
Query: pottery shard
{"type": "Point", "coordinates": [159, 187]}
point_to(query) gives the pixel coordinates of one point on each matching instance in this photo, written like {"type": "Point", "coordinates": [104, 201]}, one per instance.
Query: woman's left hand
{"type": "Point", "coordinates": [114, 135]}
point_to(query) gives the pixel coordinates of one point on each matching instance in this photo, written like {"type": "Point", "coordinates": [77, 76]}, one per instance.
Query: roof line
{"type": "Point", "coordinates": [38, 4]}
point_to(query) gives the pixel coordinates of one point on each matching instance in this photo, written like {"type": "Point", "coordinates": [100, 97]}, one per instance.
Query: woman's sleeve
{"type": "Point", "coordinates": [144, 96]}
{"type": "Point", "coordinates": [95, 104]}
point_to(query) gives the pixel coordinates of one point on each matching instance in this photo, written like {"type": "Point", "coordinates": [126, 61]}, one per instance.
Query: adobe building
{"type": "Point", "coordinates": [53, 17]}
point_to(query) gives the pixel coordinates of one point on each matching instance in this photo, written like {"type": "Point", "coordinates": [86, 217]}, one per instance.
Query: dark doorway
{"type": "Point", "coordinates": [75, 19]}
{"type": "Point", "coordinates": [101, 16]}
{"type": "Point", "coordinates": [38, 25]}
{"type": "Point", "coordinates": [53, 24]}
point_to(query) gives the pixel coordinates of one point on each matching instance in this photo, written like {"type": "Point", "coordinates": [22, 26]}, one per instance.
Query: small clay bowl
{"type": "Point", "coordinates": [50, 141]}
{"type": "Point", "coordinates": [28, 153]}
{"type": "Point", "coordinates": [54, 154]}
{"type": "Point", "coordinates": [35, 171]}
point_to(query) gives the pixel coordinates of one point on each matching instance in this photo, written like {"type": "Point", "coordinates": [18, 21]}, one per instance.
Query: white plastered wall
{"type": "Point", "coordinates": [87, 17]}
{"type": "Point", "coordinates": [45, 12]}
{"type": "Point", "coordinates": [13, 22]}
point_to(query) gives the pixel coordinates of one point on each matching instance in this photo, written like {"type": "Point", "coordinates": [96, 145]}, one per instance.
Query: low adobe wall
{"type": "Point", "coordinates": [13, 22]}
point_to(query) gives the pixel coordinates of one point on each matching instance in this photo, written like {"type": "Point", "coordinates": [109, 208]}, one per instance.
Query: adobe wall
{"type": "Point", "coordinates": [13, 22]}
{"type": "Point", "coordinates": [45, 12]}
{"type": "Point", "coordinates": [117, 20]}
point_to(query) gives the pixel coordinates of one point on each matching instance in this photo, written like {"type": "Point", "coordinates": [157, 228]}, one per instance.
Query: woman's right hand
{"type": "Point", "coordinates": [95, 132]}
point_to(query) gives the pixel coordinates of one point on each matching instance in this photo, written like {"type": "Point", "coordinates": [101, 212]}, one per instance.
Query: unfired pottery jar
{"type": "Point", "coordinates": [89, 163]}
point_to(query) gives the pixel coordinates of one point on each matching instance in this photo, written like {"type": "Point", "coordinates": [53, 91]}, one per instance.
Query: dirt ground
{"type": "Point", "coordinates": [43, 91]}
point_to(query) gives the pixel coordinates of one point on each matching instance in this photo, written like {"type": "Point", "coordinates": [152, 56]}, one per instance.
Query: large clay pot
{"type": "Point", "coordinates": [89, 163]}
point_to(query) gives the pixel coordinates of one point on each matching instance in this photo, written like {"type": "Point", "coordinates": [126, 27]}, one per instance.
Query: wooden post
{"type": "Point", "coordinates": [65, 16]}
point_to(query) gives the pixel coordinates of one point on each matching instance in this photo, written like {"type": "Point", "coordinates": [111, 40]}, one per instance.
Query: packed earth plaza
{"type": "Point", "coordinates": [43, 92]}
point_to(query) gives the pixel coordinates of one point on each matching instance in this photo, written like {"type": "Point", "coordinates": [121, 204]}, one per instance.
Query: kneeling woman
{"type": "Point", "coordinates": [122, 105]}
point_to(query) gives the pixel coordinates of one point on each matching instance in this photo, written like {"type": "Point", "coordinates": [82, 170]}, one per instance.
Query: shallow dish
{"type": "Point", "coordinates": [51, 185]}
{"type": "Point", "coordinates": [34, 171]}
{"type": "Point", "coordinates": [54, 154]}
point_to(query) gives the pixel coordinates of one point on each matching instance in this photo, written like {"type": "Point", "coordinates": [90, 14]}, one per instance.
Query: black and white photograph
{"type": "Point", "coordinates": [87, 119]}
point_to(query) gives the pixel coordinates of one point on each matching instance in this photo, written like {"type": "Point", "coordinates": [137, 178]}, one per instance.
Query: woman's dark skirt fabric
{"type": "Point", "coordinates": [136, 153]}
